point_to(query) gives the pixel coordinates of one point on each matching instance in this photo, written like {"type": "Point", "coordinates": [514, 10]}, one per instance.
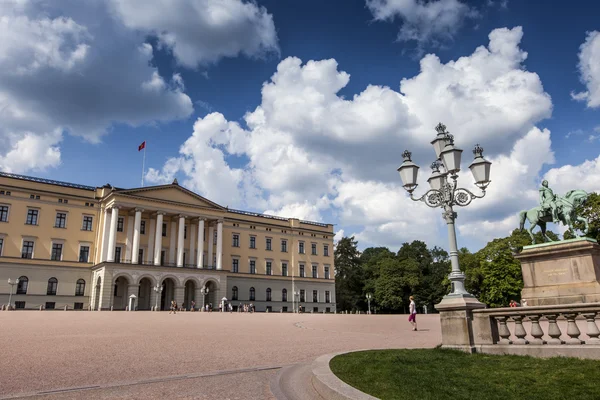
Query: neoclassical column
{"type": "Point", "coordinates": [172, 241]}
{"type": "Point", "coordinates": [151, 239]}
{"type": "Point", "coordinates": [105, 232]}
{"type": "Point", "coordinates": [211, 241]}
{"type": "Point", "coordinates": [136, 236]}
{"type": "Point", "coordinates": [192, 260]}
{"type": "Point", "coordinates": [220, 244]}
{"type": "Point", "coordinates": [129, 239]}
{"type": "Point", "coordinates": [201, 243]}
{"type": "Point", "coordinates": [180, 240]}
{"type": "Point", "coordinates": [112, 235]}
{"type": "Point", "coordinates": [158, 237]}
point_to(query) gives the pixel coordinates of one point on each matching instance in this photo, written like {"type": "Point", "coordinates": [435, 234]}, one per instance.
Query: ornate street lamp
{"type": "Point", "coordinates": [158, 289]}
{"type": "Point", "coordinates": [369, 297]}
{"type": "Point", "coordinates": [444, 192]}
{"type": "Point", "coordinates": [12, 285]}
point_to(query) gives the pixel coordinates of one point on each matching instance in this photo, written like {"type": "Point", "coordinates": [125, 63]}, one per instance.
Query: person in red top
{"type": "Point", "coordinates": [513, 303]}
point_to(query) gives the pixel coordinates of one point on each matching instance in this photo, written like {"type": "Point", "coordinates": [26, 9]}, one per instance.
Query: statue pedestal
{"type": "Point", "coordinates": [564, 272]}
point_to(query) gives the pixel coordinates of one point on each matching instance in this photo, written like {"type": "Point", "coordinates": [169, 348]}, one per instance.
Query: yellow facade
{"type": "Point", "coordinates": [107, 237]}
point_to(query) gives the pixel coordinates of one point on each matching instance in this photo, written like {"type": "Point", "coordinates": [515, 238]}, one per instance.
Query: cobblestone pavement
{"type": "Point", "coordinates": [74, 355]}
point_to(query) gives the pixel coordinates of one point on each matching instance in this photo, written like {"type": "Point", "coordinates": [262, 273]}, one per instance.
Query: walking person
{"type": "Point", "coordinates": [412, 318]}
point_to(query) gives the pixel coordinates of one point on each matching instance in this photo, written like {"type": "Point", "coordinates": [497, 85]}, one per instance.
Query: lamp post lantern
{"type": "Point", "coordinates": [158, 289]}
{"type": "Point", "coordinates": [12, 285]}
{"type": "Point", "coordinates": [445, 193]}
{"type": "Point", "coordinates": [369, 297]}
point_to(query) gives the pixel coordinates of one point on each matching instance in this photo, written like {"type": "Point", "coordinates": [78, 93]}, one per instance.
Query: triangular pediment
{"type": "Point", "coordinates": [171, 193]}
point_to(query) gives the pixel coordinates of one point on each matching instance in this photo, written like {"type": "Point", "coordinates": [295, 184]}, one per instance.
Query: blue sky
{"type": "Point", "coordinates": [85, 84]}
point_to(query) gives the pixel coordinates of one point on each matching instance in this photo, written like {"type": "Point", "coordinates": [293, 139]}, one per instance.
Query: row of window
{"type": "Point", "coordinates": [28, 247]}
{"type": "Point", "coordinates": [235, 267]}
{"type": "Point", "coordinates": [50, 305]}
{"type": "Point", "coordinates": [23, 285]}
{"type": "Point", "coordinates": [60, 221]}
{"type": "Point", "coordinates": [269, 245]}
{"type": "Point", "coordinates": [284, 295]}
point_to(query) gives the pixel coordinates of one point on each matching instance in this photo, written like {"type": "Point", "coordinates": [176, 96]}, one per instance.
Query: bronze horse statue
{"type": "Point", "coordinates": [567, 214]}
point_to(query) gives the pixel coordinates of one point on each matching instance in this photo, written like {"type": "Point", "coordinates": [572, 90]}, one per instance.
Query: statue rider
{"type": "Point", "coordinates": [548, 200]}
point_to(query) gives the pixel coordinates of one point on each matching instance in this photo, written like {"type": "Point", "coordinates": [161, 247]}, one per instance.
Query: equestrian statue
{"type": "Point", "coordinates": [554, 208]}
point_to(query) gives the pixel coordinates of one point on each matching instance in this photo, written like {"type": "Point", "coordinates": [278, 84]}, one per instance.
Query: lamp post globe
{"type": "Point", "coordinates": [451, 156]}
{"type": "Point", "coordinates": [440, 140]}
{"type": "Point", "coordinates": [408, 172]}
{"type": "Point", "coordinates": [437, 179]}
{"type": "Point", "coordinates": [480, 168]}
{"type": "Point", "coordinates": [444, 191]}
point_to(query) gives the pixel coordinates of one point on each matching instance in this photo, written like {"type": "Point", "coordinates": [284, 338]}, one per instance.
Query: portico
{"type": "Point", "coordinates": [163, 234]}
{"type": "Point", "coordinates": [116, 283]}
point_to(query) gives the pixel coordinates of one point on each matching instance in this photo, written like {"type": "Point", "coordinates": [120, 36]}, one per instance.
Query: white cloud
{"type": "Point", "coordinates": [432, 21]}
{"type": "Point", "coordinates": [584, 176]}
{"type": "Point", "coordinates": [589, 68]}
{"type": "Point", "coordinates": [312, 151]}
{"type": "Point", "coordinates": [73, 66]}
{"type": "Point", "coordinates": [28, 151]}
{"type": "Point", "coordinates": [202, 31]}
{"type": "Point", "coordinates": [61, 70]}
{"type": "Point", "coordinates": [514, 187]}
{"type": "Point", "coordinates": [29, 45]}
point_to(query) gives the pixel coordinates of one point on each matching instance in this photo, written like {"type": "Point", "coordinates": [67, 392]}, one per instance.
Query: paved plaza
{"type": "Point", "coordinates": [69, 355]}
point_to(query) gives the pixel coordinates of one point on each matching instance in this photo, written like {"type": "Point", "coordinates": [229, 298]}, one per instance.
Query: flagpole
{"type": "Point", "coordinates": [143, 163]}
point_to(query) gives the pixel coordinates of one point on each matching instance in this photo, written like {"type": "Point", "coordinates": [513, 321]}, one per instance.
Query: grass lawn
{"type": "Point", "coordinates": [449, 374]}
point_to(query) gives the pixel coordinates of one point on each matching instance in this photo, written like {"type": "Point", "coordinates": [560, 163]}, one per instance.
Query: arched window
{"type": "Point", "coordinates": [80, 287]}
{"type": "Point", "coordinates": [234, 293]}
{"type": "Point", "coordinates": [268, 294]}
{"type": "Point", "coordinates": [52, 286]}
{"type": "Point", "coordinates": [252, 294]}
{"type": "Point", "coordinates": [284, 295]}
{"type": "Point", "coordinates": [22, 286]}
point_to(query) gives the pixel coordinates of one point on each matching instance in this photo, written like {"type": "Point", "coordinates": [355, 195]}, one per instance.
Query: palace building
{"type": "Point", "coordinates": [103, 248]}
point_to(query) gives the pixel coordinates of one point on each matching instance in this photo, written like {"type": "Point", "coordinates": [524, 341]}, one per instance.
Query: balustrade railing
{"type": "Point", "coordinates": [551, 315]}
{"type": "Point", "coordinates": [150, 264]}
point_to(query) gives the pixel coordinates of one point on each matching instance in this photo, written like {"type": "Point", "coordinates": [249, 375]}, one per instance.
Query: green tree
{"type": "Point", "coordinates": [470, 265]}
{"type": "Point", "coordinates": [370, 259]}
{"type": "Point", "coordinates": [397, 279]}
{"type": "Point", "coordinates": [434, 283]}
{"type": "Point", "coordinates": [501, 271]}
{"type": "Point", "coordinates": [348, 274]}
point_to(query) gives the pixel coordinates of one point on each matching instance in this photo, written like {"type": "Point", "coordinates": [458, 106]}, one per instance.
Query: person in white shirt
{"type": "Point", "coordinates": [412, 318]}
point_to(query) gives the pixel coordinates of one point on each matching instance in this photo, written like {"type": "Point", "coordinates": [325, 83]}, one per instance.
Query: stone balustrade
{"type": "Point", "coordinates": [537, 330]}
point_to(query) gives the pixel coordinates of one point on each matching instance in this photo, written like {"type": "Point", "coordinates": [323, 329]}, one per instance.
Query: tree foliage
{"type": "Point", "coordinates": [493, 274]}
{"type": "Point", "coordinates": [348, 274]}
{"type": "Point", "coordinates": [591, 211]}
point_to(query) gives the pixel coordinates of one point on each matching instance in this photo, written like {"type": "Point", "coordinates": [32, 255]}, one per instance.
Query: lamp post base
{"type": "Point", "coordinates": [456, 319]}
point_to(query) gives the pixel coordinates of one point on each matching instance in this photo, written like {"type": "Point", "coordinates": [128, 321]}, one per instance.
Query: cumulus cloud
{"type": "Point", "coordinates": [589, 69]}
{"type": "Point", "coordinates": [60, 70]}
{"type": "Point", "coordinates": [584, 176]}
{"type": "Point", "coordinates": [202, 31]}
{"type": "Point", "coordinates": [425, 22]}
{"type": "Point", "coordinates": [81, 67]}
{"type": "Point", "coordinates": [313, 152]}
{"type": "Point", "coordinates": [514, 187]}
{"type": "Point", "coordinates": [28, 151]}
